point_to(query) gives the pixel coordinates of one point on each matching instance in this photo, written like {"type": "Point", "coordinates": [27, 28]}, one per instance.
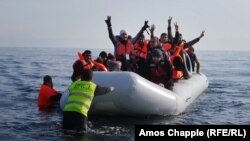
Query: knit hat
{"type": "Point", "coordinates": [123, 32]}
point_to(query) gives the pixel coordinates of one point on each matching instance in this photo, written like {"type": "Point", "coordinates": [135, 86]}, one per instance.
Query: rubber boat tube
{"type": "Point", "coordinates": [187, 65]}
{"type": "Point", "coordinates": [136, 96]}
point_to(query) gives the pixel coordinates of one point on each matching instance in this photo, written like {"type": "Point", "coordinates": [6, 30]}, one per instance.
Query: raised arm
{"type": "Point", "coordinates": [202, 34]}
{"type": "Point", "coordinates": [194, 41]}
{"type": "Point", "coordinates": [111, 35]}
{"type": "Point", "coordinates": [170, 35]}
{"type": "Point", "coordinates": [152, 29]}
{"type": "Point", "coordinates": [177, 35]}
{"type": "Point", "coordinates": [145, 26]}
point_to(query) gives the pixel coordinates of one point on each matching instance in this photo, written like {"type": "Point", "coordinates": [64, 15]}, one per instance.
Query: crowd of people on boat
{"type": "Point", "coordinates": [161, 60]}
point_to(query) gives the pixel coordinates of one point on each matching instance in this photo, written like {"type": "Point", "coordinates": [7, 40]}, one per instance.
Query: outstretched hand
{"type": "Point", "coordinates": [152, 28]}
{"type": "Point", "coordinates": [169, 20]}
{"type": "Point", "coordinates": [145, 26]}
{"type": "Point", "coordinates": [108, 21]}
{"type": "Point", "coordinates": [202, 33]}
{"type": "Point", "coordinates": [176, 26]}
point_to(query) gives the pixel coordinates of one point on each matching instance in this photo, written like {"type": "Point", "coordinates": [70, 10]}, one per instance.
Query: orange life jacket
{"type": "Point", "coordinates": [177, 74]}
{"type": "Point", "coordinates": [181, 45]}
{"type": "Point", "coordinates": [92, 63]}
{"type": "Point", "coordinates": [84, 63]}
{"type": "Point", "coordinates": [100, 66]}
{"type": "Point", "coordinates": [44, 95]}
{"type": "Point", "coordinates": [176, 54]}
{"type": "Point", "coordinates": [122, 49]}
{"type": "Point", "coordinates": [167, 46]}
{"type": "Point", "coordinates": [141, 51]}
{"type": "Point", "coordinates": [87, 66]}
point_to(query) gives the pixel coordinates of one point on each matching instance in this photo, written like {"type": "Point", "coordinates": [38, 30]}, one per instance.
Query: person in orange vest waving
{"type": "Point", "coordinates": [47, 95]}
{"type": "Point", "coordinates": [123, 43]}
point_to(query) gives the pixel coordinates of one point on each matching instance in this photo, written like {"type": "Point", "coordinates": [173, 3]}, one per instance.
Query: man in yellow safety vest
{"type": "Point", "coordinates": [81, 94]}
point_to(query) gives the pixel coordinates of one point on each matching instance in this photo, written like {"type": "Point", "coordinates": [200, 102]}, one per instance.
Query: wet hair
{"type": "Point", "coordinates": [47, 79]}
{"type": "Point", "coordinates": [87, 75]}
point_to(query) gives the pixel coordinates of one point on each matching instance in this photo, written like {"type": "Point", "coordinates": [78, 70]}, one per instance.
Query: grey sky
{"type": "Point", "coordinates": [80, 23]}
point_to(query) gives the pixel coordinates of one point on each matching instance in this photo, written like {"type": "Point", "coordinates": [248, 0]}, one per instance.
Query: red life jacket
{"type": "Point", "coordinates": [86, 65]}
{"type": "Point", "coordinates": [122, 49]}
{"type": "Point", "coordinates": [167, 46]}
{"type": "Point", "coordinates": [141, 51]}
{"type": "Point", "coordinates": [181, 45]}
{"type": "Point", "coordinates": [91, 64]}
{"type": "Point", "coordinates": [44, 95]}
{"type": "Point", "coordinates": [158, 73]}
{"type": "Point", "coordinates": [100, 66]}
{"type": "Point", "coordinates": [177, 74]}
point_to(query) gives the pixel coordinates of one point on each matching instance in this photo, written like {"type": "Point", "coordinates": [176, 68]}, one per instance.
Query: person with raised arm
{"type": "Point", "coordinates": [123, 43]}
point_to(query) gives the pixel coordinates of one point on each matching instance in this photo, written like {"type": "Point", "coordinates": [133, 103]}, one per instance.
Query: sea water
{"type": "Point", "coordinates": [226, 101]}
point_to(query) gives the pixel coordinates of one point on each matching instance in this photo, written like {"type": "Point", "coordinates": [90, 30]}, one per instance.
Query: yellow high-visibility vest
{"type": "Point", "coordinates": [81, 94]}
